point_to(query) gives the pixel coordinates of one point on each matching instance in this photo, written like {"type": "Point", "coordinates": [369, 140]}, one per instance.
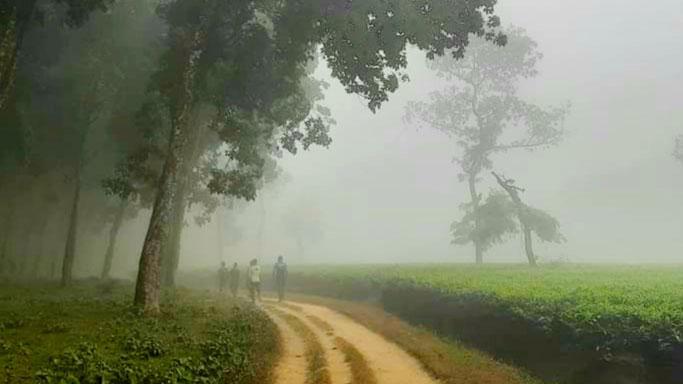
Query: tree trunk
{"type": "Point", "coordinates": [219, 235]}
{"type": "Point", "coordinates": [7, 235]}
{"type": "Point", "coordinates": [478, 246]}
{"type": "Point", "coordinates": [148, 284]}
{"type": "Point", "coordinates": [53, 269]}
{"type": "Point", "coordinates": [172, 251]}
{"type": "Point", "coordinates": [113, 234]}
{"type": "Point", "coordinates": [8, 56]}
{"type": "Point", "coordinates": [512, 191]}
{"type": "Point", "coordinates": [262, 226]}
{"type": "Point", "coordinates": [528, 247]}
{"type": "Point", "coordinates": [12, 31]}
{"type": "Point", "coordinates": [70, 247]}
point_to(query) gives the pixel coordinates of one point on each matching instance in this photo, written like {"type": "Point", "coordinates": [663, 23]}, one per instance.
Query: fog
{"type": "Point", "coordinates": [387, 190]}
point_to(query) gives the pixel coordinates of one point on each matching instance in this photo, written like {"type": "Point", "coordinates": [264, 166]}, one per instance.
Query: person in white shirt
{"type": "Point", "coordinates": [254, 280]}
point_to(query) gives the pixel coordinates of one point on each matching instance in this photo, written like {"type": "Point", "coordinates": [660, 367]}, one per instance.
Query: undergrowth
{"type": "Point", "coordinates": [88, 334]}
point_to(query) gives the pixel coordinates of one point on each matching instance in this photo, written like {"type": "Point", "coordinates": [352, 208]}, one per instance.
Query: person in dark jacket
{"type": "Point", "coordinates": [280, 277]}
{"type": "Point", "coordinates": [234, 279]}
{"type": "Point", "coordinates": [223, 277]}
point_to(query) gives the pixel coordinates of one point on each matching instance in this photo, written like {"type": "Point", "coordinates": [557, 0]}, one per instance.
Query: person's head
{"type": "Point", "coordinates": [280, 259]}
{"type": "Point", "coordinates": [223, 264]}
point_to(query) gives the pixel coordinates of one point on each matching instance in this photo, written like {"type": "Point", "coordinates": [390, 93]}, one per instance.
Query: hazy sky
{"type": "Point", "coordinates": [388, 191]}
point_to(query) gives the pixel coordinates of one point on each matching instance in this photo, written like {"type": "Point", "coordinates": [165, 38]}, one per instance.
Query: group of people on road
{"type": "Point", "coordinates": [230, 278]}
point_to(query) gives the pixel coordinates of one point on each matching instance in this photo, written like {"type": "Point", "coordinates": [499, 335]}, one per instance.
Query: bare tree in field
{"type": "Point", "coordinates": [480, 108]}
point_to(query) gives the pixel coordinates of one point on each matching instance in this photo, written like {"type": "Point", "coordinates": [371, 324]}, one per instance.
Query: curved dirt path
{"type": "Point", "coordinates": [389, 363]}
{"type": "Point", "coordinates": [292, 365]}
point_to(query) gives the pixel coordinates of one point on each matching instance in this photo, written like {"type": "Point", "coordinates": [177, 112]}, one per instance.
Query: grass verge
{"type": "Point", "coordinates": [90, 333]}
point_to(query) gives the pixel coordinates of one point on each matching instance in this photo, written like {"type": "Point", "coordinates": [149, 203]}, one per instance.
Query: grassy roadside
{"type": "Point", "coordinates": [447, 361]}
{"type": "Point", "coordinates": [90, 334]}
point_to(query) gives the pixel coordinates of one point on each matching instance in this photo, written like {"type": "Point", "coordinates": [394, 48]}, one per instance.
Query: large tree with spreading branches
{"type": "Point", "coordinates": [250, 62]}
{"type": "Point", "coordinates": [481, 109]}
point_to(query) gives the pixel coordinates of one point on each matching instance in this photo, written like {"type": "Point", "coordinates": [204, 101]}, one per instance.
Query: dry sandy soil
{"type": "Point", "coordinates": [389, 363]}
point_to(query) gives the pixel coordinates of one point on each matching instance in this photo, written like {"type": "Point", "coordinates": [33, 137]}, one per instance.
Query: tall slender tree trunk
{"type": "Point", "coordinates": [12, 31]}
{"type": "Point", "coordinates": [219, 234]}
{"type": "Point", "coordinates": [70, 247]}
{"type": "Point", "coordinates": [261, 226]}
{"type": "Point", "coordinates": [172, 249]}
{"type": "Point", "coordinates": [148, 284]}
{"type": "Point", "coordinates": [528, 246]}
{"type": "Point", "coordinates": [478, 246]}
{"type": "Point", "coordinates": [9, 38]}
{"type": "Point", "coordinates": [512, 191]}
{"type": "Point", "coordinates": [113, 234]}
{"type": "Point", "coordinates": [7, 234]}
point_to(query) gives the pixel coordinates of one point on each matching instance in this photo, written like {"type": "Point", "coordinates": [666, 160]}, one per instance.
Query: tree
{"type": "Point", "coordinates": [530, 219]}
{"type": "Point", "coordinates": [481, 109]}
{"type": "Point", "coordinates": [71, 81]}
{"type": "Point", "coordinates": [678, 148]}
{"type": "Point", "coordinates": [17, 16]}
{"type": "Point", "coordinates": [247, 60]}
{"type": "Point", "coordinates": [490, 224]}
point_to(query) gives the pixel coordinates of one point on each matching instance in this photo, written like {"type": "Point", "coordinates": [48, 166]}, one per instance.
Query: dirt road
{"type": "Point", "coordinates": [367, 357]}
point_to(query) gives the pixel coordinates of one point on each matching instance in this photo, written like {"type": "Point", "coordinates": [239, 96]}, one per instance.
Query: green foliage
{"type": "Point", "coordinates": [84, 336]}
{"type": "Point", "coordinates": [489, 224]}
{"type": "Point", "coordinates": [546, 227]}
{"type": "Point", "coordinates": [56, 327]}
{"type": "Point", "coordinates": [604, 308]}
{"type": "Point", "coordinates": [498, 218]}
{"type": "Point", "coordinates": [480, 108]}
{"type": "Point", "coordinates": [480, 102]}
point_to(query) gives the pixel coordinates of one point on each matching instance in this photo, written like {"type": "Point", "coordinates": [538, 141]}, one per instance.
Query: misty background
{"type": "Point", "coordinates": [387, 190]}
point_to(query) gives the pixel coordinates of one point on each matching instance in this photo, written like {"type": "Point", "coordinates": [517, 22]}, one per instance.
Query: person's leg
{"type": "Point", "coordinates": [252, 288]}
{"type": "Point", "coordinates": [258, 290]}
{"type": "Point", "coordinates": [280, 291]}
{"type": "Point", "coordinates": [283, 291]}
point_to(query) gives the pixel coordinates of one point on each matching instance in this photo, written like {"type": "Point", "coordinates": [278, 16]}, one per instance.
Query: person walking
{"type": "Point", "coordinates": [223, 277]}
{"type": "Point", "coordinates": [234, 279]}
{"type": "Point", "coordinates": [280, 277]}
{"type": "Point", "coordinates": [254, 280]}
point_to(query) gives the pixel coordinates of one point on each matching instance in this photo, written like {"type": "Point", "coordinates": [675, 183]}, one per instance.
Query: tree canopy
{"type": "Point", "coordinates": [164, 105]}
{"type": "Point", "coordinates": [481, 110]}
